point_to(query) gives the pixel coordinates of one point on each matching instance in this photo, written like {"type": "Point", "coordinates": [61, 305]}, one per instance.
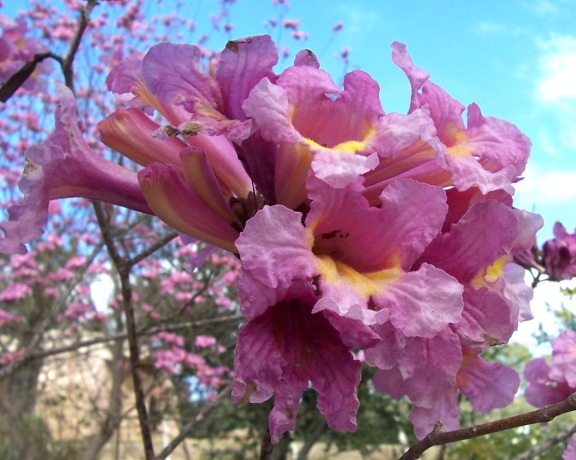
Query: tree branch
{"type": "Point", "coordinates": [123, 268]}
{"type": "Point", "coordinates": [140, 332]}
{"type": "Point", "coordinates": [19, 78]}
{"type": "Point", "coordinates": [67, 63]}
{"type": "Point", "coordinates": [192, 424]}
{"type": "Point", "coordinates": [542, 415]}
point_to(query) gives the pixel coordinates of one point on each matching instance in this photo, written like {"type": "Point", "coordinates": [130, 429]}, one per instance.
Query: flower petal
{"type": "Point", "coordinates": [275, 247]}
{"type": "Point", "coordinates": [242, 64]}
{"type": "Point", "coordinates": [170, 199]}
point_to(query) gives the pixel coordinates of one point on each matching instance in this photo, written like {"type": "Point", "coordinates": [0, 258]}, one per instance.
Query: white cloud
{"type": "Point", "coordinates": [544, 7]}
{"type": "Point", "coordinates": [498, 28]}
{"type": "Point", "coordinates": [357, 20]}
{"type": "Point", "coordinates": [546, 187]}
{"type": "Point", "coordinates": [558, 70]}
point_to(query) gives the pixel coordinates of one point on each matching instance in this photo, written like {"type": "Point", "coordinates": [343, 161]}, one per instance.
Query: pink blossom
{"type": "Point", "coordinates": [14, 292]}
{"type": "Point", "coordinates": [359, 233]}
{"type": "Point", "coordinates": [291, 24]}
{"type": "Point", "coordinates": [570, 452]}
{"type": "Point", "coordinates": [554, 382]}
{"type": "Point", "coordinates": [7, 317]}
{"type": "Point", "coordinates": [169, 337]}
{"type": "Point", "coordinates": [488, 153]}
{"type": "Point", "coordinates": [11, 356]}
{"type": "Point", "coordinates": [560, 254]}
{"type": "Point", "coordinates": [280, 350]}
{"type": "Point", "coordinates": [204, 341]}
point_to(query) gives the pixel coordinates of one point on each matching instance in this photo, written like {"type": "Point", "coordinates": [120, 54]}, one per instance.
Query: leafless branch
{"type": "Point", "coordinates": [123, 268]}
{"type": "Point", "coordinates": [140, 332]}
{"type": "Point", "coordinates": [192, 424]}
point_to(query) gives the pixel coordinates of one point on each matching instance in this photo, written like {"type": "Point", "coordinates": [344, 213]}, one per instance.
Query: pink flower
{"type": "Point", "coordinates": [560, 254]}
{"type": "Point", "coordinates": [204, 341]}
{"type": "Point", "coordinates": [62, 167]}
{"type": "Point", "coordinates": [330, 250]}
{"type": "Point", "coordinates": [7, 317]}
{"type": "Point", "coordinates": [554, 382]}
{"type": "Point", "coordinates": [284, 345]}
{"type": "Point", "coordinates": [359, 233]}
{"type": "Point", "coordinates": [14, 292]}
{"type": "Point", "coordinates": [488, 153]}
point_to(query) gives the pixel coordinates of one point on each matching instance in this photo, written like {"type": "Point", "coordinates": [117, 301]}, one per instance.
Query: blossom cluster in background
{"type": "Point", "coordinates": [551, 383]}
{"type": "Point", "coordinates": [393, 234]}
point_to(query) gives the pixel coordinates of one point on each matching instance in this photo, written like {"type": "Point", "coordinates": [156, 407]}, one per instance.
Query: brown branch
{"type": "Point", "coordinates": [123, 268]}
{"type": "Point", "coordinates": [266, 447]}
{"type": "Point", "coordinates": [542, 415]}
{"type": "Point", "coordinates": [17, 79]}
{"type": "Point", "coordinates": [192, 424]}
{"type": "Point", "coordinates": [153, 248]}
{"type": "Point", "coordinates": [83, 23]}
{"type": "Point", "coordinates": [144, 331]}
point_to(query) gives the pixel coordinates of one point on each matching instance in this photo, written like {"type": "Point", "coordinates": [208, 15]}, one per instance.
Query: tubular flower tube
{"type": "Point", "coordinates": [172, 201]}
{"type": "Point", "coordinates": [390, 234]}
{"type": "Point", "coordinates": [62, 167]}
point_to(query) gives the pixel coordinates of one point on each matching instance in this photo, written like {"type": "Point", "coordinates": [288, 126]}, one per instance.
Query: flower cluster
{"type": "Point", "coordinates": [551, 383]}
{"type": "Point", "coordinates": [559, 254]}
{"type": "Point", "coordinates": [393, 233]}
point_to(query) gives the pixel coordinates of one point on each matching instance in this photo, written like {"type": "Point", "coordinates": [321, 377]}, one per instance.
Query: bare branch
{"type": "Point", "coordinates": [192, 424]}
{"type": "Point", "coordinates": [123, 268]}
{"type": "Point", "coordinates": [19, 78]}
{"type": "Point", "coordinates": [542, 415]}
{"type": "Point", "coordinates": [67, 64]}
{"type": "Point", "coordinates": [144, 331]}
{"type": "Point", "coordinates": [153, 248]}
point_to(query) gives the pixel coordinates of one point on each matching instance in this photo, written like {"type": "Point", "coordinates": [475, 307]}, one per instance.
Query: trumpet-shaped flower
{"type": "Point", "coordinates": [327, 251]}
{"type": "Point", "coordinates": [487, 153]}
{"type": "Point", "coordinates": [61, 167]}
{"type": "Point", "coordinates": [360, 257]}
{"type": "Point", "coordinates": [285, 345]}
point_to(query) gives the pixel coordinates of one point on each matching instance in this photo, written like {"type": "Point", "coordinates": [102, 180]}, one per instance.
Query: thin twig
{"type": "Point", "coordinates": [548, 444]}
{"type": "Point", "coordinates": [192, 424]}
{"type": "Point", "coordinates": [83, 23]}
{"type": "Point", "coordinates": [141, 332]}
{"type": "Point", "coordinates": [266, 447]}
{"type": "Point", "coordinates": [542, 415]}
{"type": "Point", "coordinates": [153, 248]}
